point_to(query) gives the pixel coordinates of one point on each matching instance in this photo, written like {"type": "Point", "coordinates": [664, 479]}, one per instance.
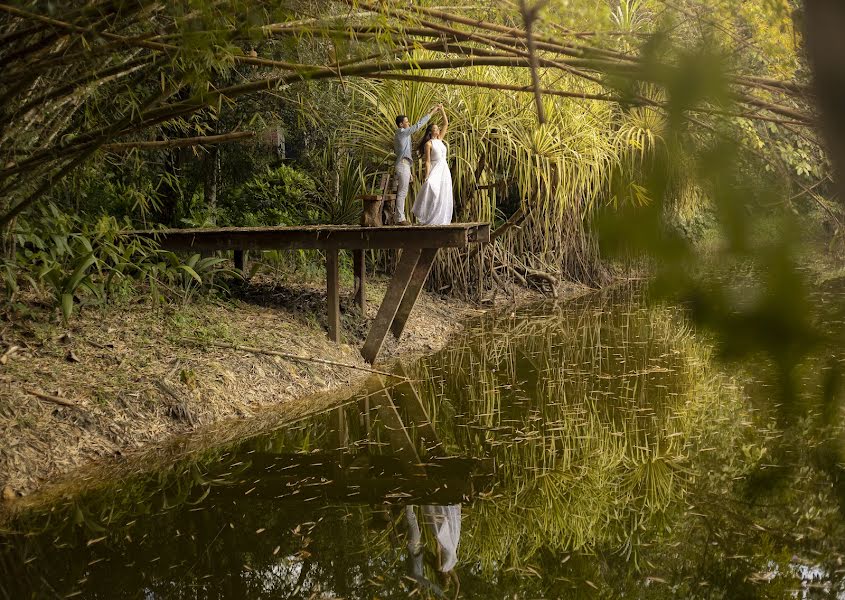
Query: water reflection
{"type": "Point", "coordinates": [584, 449]}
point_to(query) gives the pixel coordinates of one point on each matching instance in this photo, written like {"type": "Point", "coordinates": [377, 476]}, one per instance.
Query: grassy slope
{"type": "Point", "coordinates": [117, 365]}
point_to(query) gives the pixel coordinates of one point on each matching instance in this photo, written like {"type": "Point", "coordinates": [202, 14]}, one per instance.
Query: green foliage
{"type": "Point", "coordinates": [79, 262]}
{"type": "Point", "coordinates": [130, 191]}
{"type": "Point", "coordinates": [277, 196]}
{"type": "Point", "coordinates": [343, 180]}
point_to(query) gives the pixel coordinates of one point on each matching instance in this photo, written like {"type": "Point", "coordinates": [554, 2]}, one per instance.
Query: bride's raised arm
{"type": "Point", "coordinates": [445, 127]}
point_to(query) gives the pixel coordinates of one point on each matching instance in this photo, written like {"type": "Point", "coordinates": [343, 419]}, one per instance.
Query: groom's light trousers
{"type": "Point", "coordinates": [403, 179]}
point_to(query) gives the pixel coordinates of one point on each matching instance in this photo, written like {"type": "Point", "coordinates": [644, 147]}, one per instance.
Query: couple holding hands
{"type": "Point", "coordinates": [433, 205]}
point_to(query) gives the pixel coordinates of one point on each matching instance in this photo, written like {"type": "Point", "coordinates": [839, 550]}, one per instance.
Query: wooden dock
{"type": "Point", "coordinates": [419, 247]}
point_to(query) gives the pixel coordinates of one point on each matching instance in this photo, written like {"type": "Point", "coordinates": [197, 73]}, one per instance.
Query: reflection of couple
{"type": "Point", "coordinates": [444, 524]}
{"type": "Point", "coordinates": [433, 205]}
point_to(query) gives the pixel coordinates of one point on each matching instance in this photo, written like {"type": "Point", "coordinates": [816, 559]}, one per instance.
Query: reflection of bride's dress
{"type": "Point", "coordinates": [445, 524]}
{"type": "Point", "coordinates": [433, 205]}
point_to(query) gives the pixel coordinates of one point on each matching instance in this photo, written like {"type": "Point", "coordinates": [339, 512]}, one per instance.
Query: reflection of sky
{"type": "Point", "coordinates": [811, 576]}
{"type": "Point", "coordinates": [287, 569]}
{"type": "Point", "coordinates": [814, 579]}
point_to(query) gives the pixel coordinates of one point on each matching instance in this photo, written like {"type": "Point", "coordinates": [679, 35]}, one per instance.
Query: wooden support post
{"type": "Point", "coordinates": [333, 294]}
{"type": "Point", "coordinates": [390, 304]}
{"type": "Point", "coordinates": [418, 278]}
{"type": "Point", "coordinates": [240, 260]}
{"type": "Point", "coordinates": [340, 431]}
{"type": "Point", "coordinates": [359, 268]}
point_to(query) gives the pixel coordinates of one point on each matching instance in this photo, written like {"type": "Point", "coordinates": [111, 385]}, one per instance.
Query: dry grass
{"type": "Point", "coordinates": [117, 364]}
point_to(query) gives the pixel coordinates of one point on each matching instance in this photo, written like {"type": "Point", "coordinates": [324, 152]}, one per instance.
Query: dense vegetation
{"type": "Point", "coordinates": [640, 126]}
{"type": "Point", "coordinates": [700, 138]}
{"type": "Point", "coordinates": [118, 114]}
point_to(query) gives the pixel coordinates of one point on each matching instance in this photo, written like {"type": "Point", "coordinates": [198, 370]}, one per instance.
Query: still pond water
{"type": "Point", "coordinates": [590, 449]}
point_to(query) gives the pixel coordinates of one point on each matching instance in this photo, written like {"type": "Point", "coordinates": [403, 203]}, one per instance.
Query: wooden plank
{"type": "Point", "coordinates": [390, 304]}
{"type": "Point", "coordinates": [418, 278]}
{"type": "Point", "coordinates": [333, 294]}
{"type": "Point", "coordinates": [456, 235]}
{"type": "Point", "coordinates": [359, 268]}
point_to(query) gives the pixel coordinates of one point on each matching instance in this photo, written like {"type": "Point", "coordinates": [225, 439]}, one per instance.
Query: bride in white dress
{"type": "Point", "coordinates": [433, 205]}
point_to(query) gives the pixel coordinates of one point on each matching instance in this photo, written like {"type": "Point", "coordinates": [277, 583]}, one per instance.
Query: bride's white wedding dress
{"type": "Point", "coordinates": [433, 205]}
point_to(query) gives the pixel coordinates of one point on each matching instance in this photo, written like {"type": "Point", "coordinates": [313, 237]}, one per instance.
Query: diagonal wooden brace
{"type": "Point", "coordinates": [390, 304]}
{"type": "Point", "coordinates": [418, 278]}
{"type": "Point", "coordinates": [397, 432]}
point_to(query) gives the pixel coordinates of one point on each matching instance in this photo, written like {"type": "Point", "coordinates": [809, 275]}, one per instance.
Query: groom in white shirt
{"type": "Point", "coordinates": [404, 161]}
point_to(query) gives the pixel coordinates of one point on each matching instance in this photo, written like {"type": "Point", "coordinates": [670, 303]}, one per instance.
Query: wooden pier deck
{"type": "Point", "coordinates": [419, 247]}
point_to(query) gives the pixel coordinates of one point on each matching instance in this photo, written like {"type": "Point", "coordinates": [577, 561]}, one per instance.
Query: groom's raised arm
{"type": "Point", "coordinates": [418, 125]}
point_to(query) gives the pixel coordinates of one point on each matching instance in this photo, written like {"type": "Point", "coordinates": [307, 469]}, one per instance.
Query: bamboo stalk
{"type": "Point", "coordinates": [201, 140]}
{"type": "Point", "coordinates": [288, 356]}
{"type": "Point", "coordinates": [53, 399]}
{"type": "Point", "coordinates": [491, 86]}
{"type": "Point", "coordinates": [529, 15]}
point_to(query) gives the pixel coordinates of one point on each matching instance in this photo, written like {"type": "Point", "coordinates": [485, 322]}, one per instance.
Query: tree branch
{"type": "Point", "coordinates": [203, 140]}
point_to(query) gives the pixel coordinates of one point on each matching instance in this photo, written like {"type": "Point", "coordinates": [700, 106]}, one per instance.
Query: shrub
{"type": "Point", "coordinates": [279, 196]}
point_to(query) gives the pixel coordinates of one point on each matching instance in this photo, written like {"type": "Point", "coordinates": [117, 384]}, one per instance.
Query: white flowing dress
{"type": "Point", "coordinates": [433, 205]}
{"type": "Point", "coordinates": [445, 523]}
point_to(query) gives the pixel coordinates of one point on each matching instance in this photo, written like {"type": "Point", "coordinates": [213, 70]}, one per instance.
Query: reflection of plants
{"type": "Point", "coordinates": [592, 416]}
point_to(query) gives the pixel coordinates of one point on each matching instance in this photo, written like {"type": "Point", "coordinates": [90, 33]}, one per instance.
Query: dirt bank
{"type": "Point", "coordinates": [121, 380]}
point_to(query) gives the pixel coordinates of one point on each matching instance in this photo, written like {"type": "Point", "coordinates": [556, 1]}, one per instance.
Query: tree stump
{"type": "Point", "coordinates": [378, 208]}
{"type": "Point", "coordinates": [371, 214]}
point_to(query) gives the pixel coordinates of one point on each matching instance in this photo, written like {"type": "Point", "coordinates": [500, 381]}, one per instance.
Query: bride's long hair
{"type": "Point", "coordinates": [427, 136]}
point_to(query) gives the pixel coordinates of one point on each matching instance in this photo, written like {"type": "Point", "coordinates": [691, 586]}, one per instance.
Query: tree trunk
{"type": "Point", "coordinates": [824, 24]}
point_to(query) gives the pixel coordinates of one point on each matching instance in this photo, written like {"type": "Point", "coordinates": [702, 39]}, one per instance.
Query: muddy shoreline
{"type": "Point", "coordinates": [125, 387]}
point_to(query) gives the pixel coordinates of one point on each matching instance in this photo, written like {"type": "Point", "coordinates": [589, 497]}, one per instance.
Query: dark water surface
{"type": "Point", "coordinates": [588, 449]}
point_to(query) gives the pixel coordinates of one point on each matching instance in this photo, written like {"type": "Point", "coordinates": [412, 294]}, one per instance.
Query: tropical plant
{"type": "Point", "coordinates": [538, 185]}
{"type": "Point", "coordinates": [76, 261]}
{"type": "Point", "coordinates": [282, 195]}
